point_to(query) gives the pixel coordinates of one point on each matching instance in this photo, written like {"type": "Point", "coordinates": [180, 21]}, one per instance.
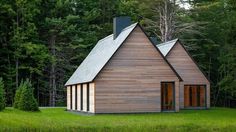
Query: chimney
{"type": "Point", "coordinates": [119, 23]}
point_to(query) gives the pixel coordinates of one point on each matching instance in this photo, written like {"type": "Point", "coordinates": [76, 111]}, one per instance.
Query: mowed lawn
{"type": "Point", "coordinates": [57, 119]}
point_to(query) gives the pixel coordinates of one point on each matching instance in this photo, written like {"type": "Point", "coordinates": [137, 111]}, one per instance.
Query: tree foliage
{"type": "Point", "coordinates": [2, 95]}
{"type": "Point", "coordinates": [24, 98]}
{"type": "Point", "coordinates": [18, 95]}
{"type": "Point", "coordinates": [46, 40]}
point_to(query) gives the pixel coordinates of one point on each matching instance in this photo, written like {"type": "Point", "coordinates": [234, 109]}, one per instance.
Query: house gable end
{"type": "Point", "coordinates": [184, 64]}
{"type": "Point", "coordinates": [131, 79]}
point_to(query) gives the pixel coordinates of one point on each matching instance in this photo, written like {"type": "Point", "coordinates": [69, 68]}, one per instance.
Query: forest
{"type": "Point", "coordinates": [46, 40]}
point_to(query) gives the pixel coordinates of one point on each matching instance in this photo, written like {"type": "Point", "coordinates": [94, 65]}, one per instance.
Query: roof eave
{"type": "Point", "coordinates": [78, 83]}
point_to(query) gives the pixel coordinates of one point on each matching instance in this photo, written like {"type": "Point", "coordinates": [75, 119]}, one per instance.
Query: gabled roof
{"type": "Point", "coordinates": [98, 57]}
{"type": "Point", "coordinates": [101, 54]}
{"type": "Point", "coordinates": [167, 46]}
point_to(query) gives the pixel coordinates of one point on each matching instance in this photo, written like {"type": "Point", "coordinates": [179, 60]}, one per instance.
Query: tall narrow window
{"type": "Point", "coordinates": [71, 97]}
{"type": "Point", "coordinates": [75, 97]}
{"type": "Point", "coordinates": [88, 97]}
{"type": "Point", "coordinates": [167, 96]}
{"type": "Point", "coordinates": [81, 96]}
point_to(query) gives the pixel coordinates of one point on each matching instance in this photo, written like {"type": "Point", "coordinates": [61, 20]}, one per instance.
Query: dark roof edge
{"type": "Point", "coordinates": [190, 57]}
{"type": "Point", "coordinates": [78, 83]}
{"type": "Point", "coordinates": [161, 54]}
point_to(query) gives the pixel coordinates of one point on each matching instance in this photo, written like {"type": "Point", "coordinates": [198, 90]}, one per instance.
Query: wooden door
{"type": "Point", "coordinates": [167, 96]}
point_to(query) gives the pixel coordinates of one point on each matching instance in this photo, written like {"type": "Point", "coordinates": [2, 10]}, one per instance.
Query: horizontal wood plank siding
{"type": "Point", "coordinates": [188, 71]}
{"type": "Point", "coordinates": [130, 82]}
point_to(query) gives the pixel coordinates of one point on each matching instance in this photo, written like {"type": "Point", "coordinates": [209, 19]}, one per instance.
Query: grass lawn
{"type": "Point", "coordinates": [57, 119]}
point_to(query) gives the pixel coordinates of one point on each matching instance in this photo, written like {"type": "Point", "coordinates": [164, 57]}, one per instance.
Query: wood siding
{"type": "Point", "coordinates": [188, 71]}
{"type": "Point", "coordinates": [131, 80]}
{"type": "Point", "coordinates": [84, 97]}
{"type": "Point", "coordinates": [73, 97]}
{"type": "Point", "coordinates": [68, 97]}
{"type": "Point", "coordinates": [91, 97]}
{"type": "Point", "coordinates": [78, 97]}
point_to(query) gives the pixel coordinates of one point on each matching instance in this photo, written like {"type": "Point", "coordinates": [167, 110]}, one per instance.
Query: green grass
{"type": "Point", "coordinates": [57, 119]}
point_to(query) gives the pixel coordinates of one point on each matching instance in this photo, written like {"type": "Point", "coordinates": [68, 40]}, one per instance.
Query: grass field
{"type": "Point", "coordinates": [57, 119]}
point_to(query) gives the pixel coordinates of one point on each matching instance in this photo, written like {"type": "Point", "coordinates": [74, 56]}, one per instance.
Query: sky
{"type": "Point", "coordinates": [184, 4]}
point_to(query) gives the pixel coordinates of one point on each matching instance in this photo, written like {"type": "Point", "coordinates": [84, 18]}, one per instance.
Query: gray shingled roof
{"type": "Point", "coordinates": [98, 57]}
{"type": "Point", "coordinates": [167, 46]}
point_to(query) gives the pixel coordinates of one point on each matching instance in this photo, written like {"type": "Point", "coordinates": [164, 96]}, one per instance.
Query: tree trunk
{"type": "Point", "coordinates": [209, 69]}
{"type": "Point", "coordinates": [17, 74]}
{"type": "Point", "coordinates": [17, 59]}
{"type": "Point", "coordinates": [166, 14]}
{"type": "Point", "coordinates": [52, 91]}
{"type": "Point", "coordinates": [166, 21]}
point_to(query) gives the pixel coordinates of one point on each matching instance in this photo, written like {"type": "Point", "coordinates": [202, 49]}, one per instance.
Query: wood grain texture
{"type": "Point", "coordinates": [78, 97]}
{"type": "Point", "coordinates": [84, 97]}
{"type": "Point", "coordinates": [68, 97]}
{"type": "Point", "coordinates": [131, 80]}
{"type": "Point", "coordinates": [73, 97]}
{"type": "Point", "coordinates": [188, 71]}
{"type": "Point", "coordinates": [91, 97]}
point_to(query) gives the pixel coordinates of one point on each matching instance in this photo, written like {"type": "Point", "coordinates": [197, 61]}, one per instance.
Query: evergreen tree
{"type": "Point", "coordinates": [27, 101]}
{"type": "Point", "coordinates": [2, 95]}
{"type": "Point", "coordinates": [18, 95]}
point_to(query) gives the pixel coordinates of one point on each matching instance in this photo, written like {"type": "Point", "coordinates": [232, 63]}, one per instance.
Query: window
{"type": "Point", "coordinates": [167, 96]}
{"type": "Point", "coordinates": [75, 97]}
{"type": "Point", "coordinates": [88, 97]}
{"type": "Point", "coordinates": [71, 97]}
{"type": "Point", "coordinates": [81, 96]}
{"type": "Point", "coordinates": [194, 96]}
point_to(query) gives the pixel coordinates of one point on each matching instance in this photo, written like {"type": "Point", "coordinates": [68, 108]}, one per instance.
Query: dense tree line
{"type": "Point", "coordinates": [45, 40]}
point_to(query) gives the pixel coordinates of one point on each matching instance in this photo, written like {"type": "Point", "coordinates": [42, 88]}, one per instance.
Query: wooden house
{"type": "Point", "coordinates": [195, 87]}
{"type": "Point", "coordinates": [126, 73]}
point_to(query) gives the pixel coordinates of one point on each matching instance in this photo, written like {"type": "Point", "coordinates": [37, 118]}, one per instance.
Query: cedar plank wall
{"type": "Point", "coordinates": [68, 97]}
{"type": "Point", "coordinates": [130, 82]}
{"type": "Point", "coordinates": [188, 71]}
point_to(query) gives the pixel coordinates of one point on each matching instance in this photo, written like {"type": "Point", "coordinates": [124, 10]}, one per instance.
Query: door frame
{"type": "Point", "coordinates": [205, 87]}
{"type": "Point", "coordinates": [174, 100]}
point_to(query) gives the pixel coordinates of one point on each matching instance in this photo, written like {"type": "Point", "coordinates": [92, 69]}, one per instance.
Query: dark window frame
{"type": "Point", "coordinates": [81, 97]}
{"type": "Point", "coordinates": [190, 95]}
{"type": "Point", "coordinates": [88, 101]}
{"type": "Point", "coordinates": [76, 97]}
{"type": "Point", "coordinates": [71, 97]}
